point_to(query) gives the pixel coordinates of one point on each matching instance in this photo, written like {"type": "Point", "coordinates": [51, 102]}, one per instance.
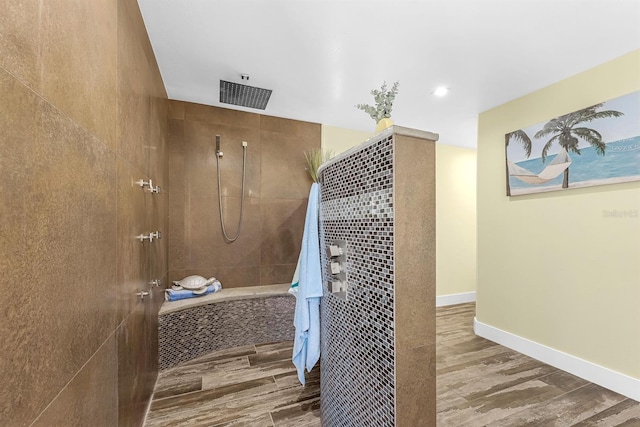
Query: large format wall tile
{"type": "Point", "coordinates": [91, 398]}
{"type": "Point", "coordinates": [176, 150]}
{"type": "Point", "coordinates": [61, 239]}
{"type": "Point", "coordinates": [68, 255]}
{"type": "Point", "coordinates": [414, 242]}
{"type": "Point", "coordinates": [277, 187]}
{"type": "Point", "coordinates": [17, 132]}
{"type": "Point", "coordinates": [176, 231]}
{"type": "Point", "coordinates": [137, 364]}
{"type": "Point", "coordinates": [223, 116]}
{"type": "Point", "coordinates": [158, 142]}
{"type": "Point", "coordinates": [283, 167]}
{"type": "Point", "coordinates": [142, 147]}
{"type": "Point", "coordinates": [132, 254]}
{"type": "Point", "coordinates": [204, 244]}
{"type": "Point", "coordinates": [288, 126]}
{"type": "Point", "coordinates": [415, 279]}
{"type": "Point", "coordinates": [20, 40]}
{"type": "Point", "coordinates": [276, 273]}
{"type": "Point", "coordinates": [133, 89]}
{"type": "Point", "coordinates": [176, 110]}
{"type": "Point", "coordinates": [200, 159]}
{"type": "Point", "coordinates": [282, 225]}
{"type": "Point", "coordinates": [78, 48]}
{"type": "Point", "coordinates": [157, 205]}
{"type": "Point", "coordinates": [158, 250]}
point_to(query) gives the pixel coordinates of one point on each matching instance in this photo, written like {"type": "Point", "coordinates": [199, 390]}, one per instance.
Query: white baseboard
{"type": "Point", "coordinates": [453, 299]}
{"type": "Point", "coordinates": [605, 377]}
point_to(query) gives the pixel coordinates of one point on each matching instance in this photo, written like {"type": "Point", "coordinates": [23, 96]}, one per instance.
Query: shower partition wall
{"type": "Point", "coordinates": [378, 344]}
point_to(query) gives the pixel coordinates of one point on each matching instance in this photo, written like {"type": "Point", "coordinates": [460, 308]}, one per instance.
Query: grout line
{"type": "Point", "coordinates": [112, 334]}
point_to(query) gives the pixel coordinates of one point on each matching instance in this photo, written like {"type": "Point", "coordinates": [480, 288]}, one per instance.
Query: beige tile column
{"type": "Point", "coordinates": [415, 248]}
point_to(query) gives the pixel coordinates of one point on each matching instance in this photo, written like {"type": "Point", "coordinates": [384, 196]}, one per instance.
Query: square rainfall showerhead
{"type": "Point", "coordinates": [245, 96]}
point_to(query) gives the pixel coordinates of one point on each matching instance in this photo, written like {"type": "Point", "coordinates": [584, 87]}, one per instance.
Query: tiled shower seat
{"type": "Point", "coordinates": [232, 317]}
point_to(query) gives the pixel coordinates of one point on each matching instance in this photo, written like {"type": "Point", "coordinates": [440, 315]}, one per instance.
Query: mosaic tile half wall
{"type": "Point", "coordinates": [378, 344]}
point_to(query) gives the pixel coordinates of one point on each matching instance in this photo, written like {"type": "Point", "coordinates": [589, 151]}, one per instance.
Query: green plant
{"type": "Point", "coordinates": [384, 102]}
{"type": "Point", "coordinates": [315, 158]}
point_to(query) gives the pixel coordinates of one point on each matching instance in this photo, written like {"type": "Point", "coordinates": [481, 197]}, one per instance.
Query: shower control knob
{"type": "Point", "coordinates": [151, 236]}
{"type": "Point", "coordinates": [336, 268]}
{"type": "Point", "coordinates": [155, 282]}
{"type": "Point", "coordinates": [156, 189]}
{"type": "Point", "coordinates": [142, 183]}
{"type": "Point", "coordinates": [142, 294]}
{"type": "Point", "coordinates": [144, 237]}
{"type": "Point", "coordinates": [335, 251]}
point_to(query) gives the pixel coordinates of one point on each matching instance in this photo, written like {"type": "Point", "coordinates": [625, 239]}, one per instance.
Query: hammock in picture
{"type": "Point", "coordinates": [553, 169]}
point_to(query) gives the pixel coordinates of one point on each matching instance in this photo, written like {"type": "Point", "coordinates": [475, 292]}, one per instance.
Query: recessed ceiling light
{"type": "Point", "coordinates": [440, 91]}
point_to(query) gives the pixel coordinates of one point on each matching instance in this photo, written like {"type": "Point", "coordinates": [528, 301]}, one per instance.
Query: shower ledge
{"type": "Point", "coordinates": [227, 294]}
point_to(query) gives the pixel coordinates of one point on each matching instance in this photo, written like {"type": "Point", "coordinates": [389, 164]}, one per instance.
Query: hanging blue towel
{"type": "Point", "coordinates": [307, 287]}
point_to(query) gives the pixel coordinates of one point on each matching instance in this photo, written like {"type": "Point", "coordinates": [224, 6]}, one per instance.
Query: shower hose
{"type": "Point", "coordinates": [224, 231]}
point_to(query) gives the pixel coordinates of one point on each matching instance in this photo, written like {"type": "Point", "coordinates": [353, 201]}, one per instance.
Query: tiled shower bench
{"type": "Point", "coordinates": [232, 317]}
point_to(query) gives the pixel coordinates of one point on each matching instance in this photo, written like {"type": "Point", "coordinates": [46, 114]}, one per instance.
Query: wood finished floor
{"type": "Point", "coordinates": [479, 383]}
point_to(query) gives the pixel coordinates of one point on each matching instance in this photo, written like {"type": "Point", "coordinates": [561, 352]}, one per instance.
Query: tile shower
{"type": "Point", "coordinates": [277, 187]}
{"type": "Point", "coordinates": [79, 127]}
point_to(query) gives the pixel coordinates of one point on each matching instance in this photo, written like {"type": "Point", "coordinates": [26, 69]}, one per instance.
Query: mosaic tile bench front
{"type": "Point", "coordinates": [194, 331]}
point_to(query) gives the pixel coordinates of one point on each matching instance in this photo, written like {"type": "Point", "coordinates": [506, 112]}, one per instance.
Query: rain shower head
{"type": "Point", "coordinates": [243, 95]}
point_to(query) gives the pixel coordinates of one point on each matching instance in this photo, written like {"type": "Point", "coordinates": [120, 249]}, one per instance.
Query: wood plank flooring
{"type": "Point", "coordinates": [479, 383]}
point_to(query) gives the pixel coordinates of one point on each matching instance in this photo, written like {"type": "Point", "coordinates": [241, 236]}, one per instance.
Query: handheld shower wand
{"type": "Point", "coordinates": [227, 238]}
{"type": "Point", "coordinates": [218, 152]}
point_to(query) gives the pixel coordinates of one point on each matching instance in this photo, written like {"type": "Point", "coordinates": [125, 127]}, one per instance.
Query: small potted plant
{"type": "Point", "coordinates": [381, 113]}
{"type": "Point", "coordinates": [315, 158]}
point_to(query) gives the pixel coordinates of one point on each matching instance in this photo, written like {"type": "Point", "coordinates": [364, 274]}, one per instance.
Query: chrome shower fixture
{"type": "Point", "coordinates": [243, 95]}
{"type": "Point", "coordinates": [142, 183]}
{"type": "Point", "coordinates": [244, 160]}
{"type": "Point", "coordinates": [218, 152]}
{"type": "Point", "coordinates": [148, 185]}
{"type": "Point", "coordinates": [157, 235]}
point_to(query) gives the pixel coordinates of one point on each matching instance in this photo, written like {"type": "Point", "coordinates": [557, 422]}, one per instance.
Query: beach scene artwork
{"type": "Point", "coordinates": [597, 145]}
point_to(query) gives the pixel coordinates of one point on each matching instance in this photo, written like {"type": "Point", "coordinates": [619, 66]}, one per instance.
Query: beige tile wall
{"type": "Point", "coordinates": [277, 187]}
{"type": "Point", "coordinates": [82, 115]}
{"type": "Point", "coordinates": [415, 280]}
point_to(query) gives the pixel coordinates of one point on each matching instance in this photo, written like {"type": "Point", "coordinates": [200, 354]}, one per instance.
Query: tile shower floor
{"type": "Point", "coordinates": [479, 383]}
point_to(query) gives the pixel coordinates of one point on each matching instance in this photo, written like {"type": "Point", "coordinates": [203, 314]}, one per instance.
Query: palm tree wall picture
{"type": "Point", "coordinates": [520, 136]}
{"type": "Point", "coordinates": [599, 144]}
{"type": "Point", "coordinates": [569, 129]}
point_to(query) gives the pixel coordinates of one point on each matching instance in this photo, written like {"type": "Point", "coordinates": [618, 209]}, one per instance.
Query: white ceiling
{"type": "Point", "coordinates": [322, 57]}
